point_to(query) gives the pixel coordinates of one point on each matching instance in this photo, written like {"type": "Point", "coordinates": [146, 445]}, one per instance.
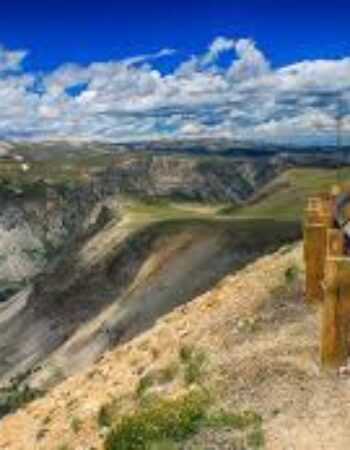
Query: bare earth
{"type": "Point", "coordinates": [263, 355]}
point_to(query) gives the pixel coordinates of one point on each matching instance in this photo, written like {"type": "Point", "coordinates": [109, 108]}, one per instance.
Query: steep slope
{"type": "Point", "coordinates": [115, 284]}
{"type": "Point", "coordinates": [261, 345]}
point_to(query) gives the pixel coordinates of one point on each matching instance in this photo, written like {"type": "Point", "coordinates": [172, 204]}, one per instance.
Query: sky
{"type": "Point", "coordinates": [127, 70]}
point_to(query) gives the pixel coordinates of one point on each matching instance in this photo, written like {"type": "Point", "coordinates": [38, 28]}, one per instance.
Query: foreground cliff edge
{"type": "Point", "coordinates": [249, 343]}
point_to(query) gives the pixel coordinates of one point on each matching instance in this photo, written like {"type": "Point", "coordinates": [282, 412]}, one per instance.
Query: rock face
{"type": "Point", "coordinates": [206, 179]}
{"type": "Point", "coordinates": [38, 220]}
{"type": "Point", "coordinates": [35, 229]}
{"type": "Point", "coordinates": [112, 286]}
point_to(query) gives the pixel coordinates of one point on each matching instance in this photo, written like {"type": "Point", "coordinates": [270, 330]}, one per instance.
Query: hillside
{"type": "Point", "coordinates": [118, 282]}
{"type": "Point", "coordinates": [101, 254]}
{"type": "Point", "coordinates": [56, 202]}
{"type": "Point", "coordinates": [286, 195]}
{"type": "Point", "coordinates": [52, 195]}
{"type": "Point", "coordinates": [259, 346]}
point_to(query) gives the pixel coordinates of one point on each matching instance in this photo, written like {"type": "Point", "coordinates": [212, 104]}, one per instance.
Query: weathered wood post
{"type": "Point", "coordinates": [334, 349]}
{"type": "Point", "coordinates": [327, 264]}
{"type": "Point", "coordinates": [318, 218]}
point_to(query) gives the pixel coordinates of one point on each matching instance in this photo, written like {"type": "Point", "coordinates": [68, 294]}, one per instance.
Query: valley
{"type": "Point", "coordinates": [98, 251]}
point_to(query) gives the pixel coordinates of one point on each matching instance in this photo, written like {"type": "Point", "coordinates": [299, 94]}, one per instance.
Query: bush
{"type": "Point", "coordinates": [160, 420]}
{"type": "Point", "coordinates": [165, 424]}
{"type": "Point", "coordinates": [15, 395]}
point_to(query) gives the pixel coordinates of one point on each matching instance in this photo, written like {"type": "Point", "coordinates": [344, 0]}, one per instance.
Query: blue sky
{"type": "Point", "coordinates": [132, 69]}
{"type": "Point", "coordinates": [58, 31]}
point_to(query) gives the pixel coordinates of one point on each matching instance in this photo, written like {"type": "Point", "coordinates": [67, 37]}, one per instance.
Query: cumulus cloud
{"type": "Point", "coordinates": [250, 63]}
{"type": "Point", "coordinates": [130, 99]}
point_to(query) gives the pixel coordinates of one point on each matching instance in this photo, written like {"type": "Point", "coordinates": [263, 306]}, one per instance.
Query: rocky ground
{"type": "Point", "coordinates": [260, 342]}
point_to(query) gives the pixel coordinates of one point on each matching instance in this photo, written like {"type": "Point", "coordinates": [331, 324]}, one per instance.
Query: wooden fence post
{"type": "Point", "coordinates": [318, 219]}
{"type": "Point", "coordinates": [334, 349]}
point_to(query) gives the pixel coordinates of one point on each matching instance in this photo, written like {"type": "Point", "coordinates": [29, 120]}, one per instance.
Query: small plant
{"type": "Point", "coordinates": [47, 420]}
{"type": "Point", "coordinates": [247, 423]}
{"type": "Point", "coordinates": [161, 420]}
{"type": "Point", "coordinates": [234, 420]}
{"type": "Point", "coordinates": [41, 433]}
{"type": "Point", "coordinates": [103, 417]}
{"type": "Point", "coordinates": [145, 383]}
{"type": "Point", "coordinates": [186, 352]}
{"type": "Point", "coordinates": [193, 361]}
{"type": "Point", "coordinates": [76, 425]}
{"type": "Point", "coordinates": [15, 395]}
{"type": "Point", "coordinates": [291, 275]}
{"type": "Point", "coordinates": [256, 438]}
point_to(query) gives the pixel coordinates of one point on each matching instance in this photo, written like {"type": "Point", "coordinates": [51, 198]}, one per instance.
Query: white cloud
{"type": "Point", "coordinates": [149, 56]}
{"type": "Point", "coordinates": [219, 45]}
{"type": "Point", "coordinates": [11, 60]}
{"type": "Point", "coordinates": [130, 99]}
{"type": "Point", "coordinates": [250, 63]}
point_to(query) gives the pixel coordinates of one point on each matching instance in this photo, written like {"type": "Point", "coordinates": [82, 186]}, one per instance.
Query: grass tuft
{"type": "Point", "coordinates": [234, 420]}
{"type": "Point", "coordinates": [104, 416]}
{"type": "Point", "coordinates": [193, 361]}
{"type": "Point", "coordinates": [291, 275]}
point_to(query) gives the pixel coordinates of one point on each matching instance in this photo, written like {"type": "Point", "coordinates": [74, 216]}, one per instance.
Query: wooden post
{"type": "Point", "coordinates": [334, 348]}
{"type": "Point", "coordinates": [318, 219]}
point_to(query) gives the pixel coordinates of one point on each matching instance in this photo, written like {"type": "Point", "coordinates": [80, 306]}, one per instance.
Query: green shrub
{"type": "Point", "coordinates": [15, 395]}
{"type": "Point", "coordinates": [165, 424]}
{"type": "Point", "coordinates": [162, 420]}
{"type": "Point", "coordinates": [193, 361]}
